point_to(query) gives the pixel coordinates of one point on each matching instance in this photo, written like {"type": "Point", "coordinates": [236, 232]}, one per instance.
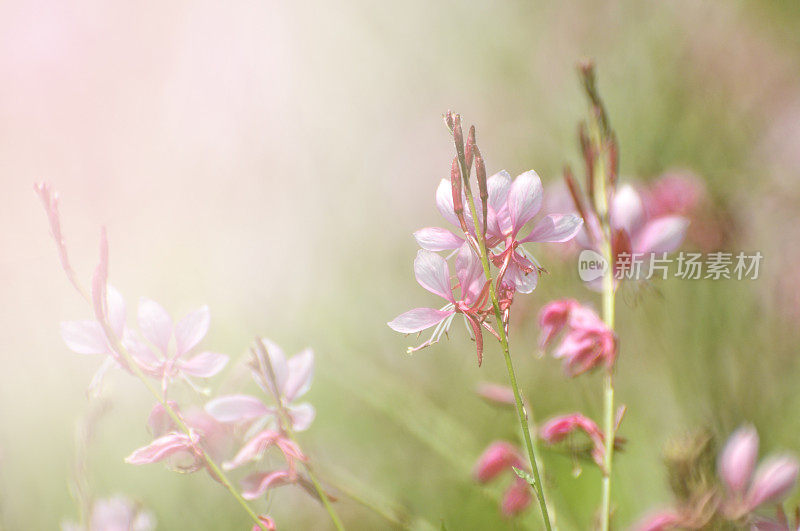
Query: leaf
{"type": "Point", "coordinates": [524, 474]}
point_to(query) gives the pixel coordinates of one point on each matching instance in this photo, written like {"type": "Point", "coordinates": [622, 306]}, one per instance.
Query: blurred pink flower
{"type": "Point", "coordinates": [293, 379]}
{"type": "Point", "coordinates": [500, 457]}
{"type": "Point", "coordinates": [558, 428]}
{"type": "Point", "coordinates": [677, 192]}
{"type": "Point", "coordinates": [167, 446]}
{"type": "Point", "coordinates": [266, 521]}
{"type": "Point", "coordinates": [774, 478]}
{"type": "Point", "coordinates": [496, 394]}
{"type": "Point", "coordinates": [253, 450]}
{"type": "Point", "coordinates": [173, 343]}
{"type": "Point", "coordinates": [117, 513]}
{"type": "Point", "coordinates": [659, 521]}
{"type": "Point", "coordinates": [587, 343]}
{"type": "Point", "coordinates": [433, 274]}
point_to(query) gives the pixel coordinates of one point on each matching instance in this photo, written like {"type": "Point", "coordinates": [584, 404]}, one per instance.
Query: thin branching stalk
{"type": "Point", "coordinates": [521, 412]}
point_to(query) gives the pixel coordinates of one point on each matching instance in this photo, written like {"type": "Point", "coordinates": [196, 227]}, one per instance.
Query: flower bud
{"type": "Point", "coordinates": [498, 457]}
{"type": "Point", "coordinates": [517, 498]}
{"type": "Point", "coordinates": [738, 459]}
{"type": "Point", "coordinates": [774, 479]}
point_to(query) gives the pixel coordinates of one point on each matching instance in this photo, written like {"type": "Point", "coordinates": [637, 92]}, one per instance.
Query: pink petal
{"type": "Point", "coordinates": [738, 459]}
{"type": "Point", "coordinates": [626, 210]}
{"type": "Point", "coordinates": [301, 370]}
{"type": "Point", "coordinates": [517, 498]}
{"type": "Point", "coordinates": [662, 235]}
{"type": "Point", "coordinates": [498, 186]}
{"type": "Point", "coordinates": [555, 228]}
{"type": "Point", "coordinates": [524, 199]}
{"type": "Point", "coordinates": [470, 274]}
{"type": "Point", "coordinates": [192, 329]}
{"type": "Point", "coordinates": [773, 481]}
{"type": "Point", "coordinates": [437, 239]}
{"type": "Point", "coordinates": [498, 457]}
{"type": "Point", "coordinates": [160, 449]}
{"type": "Point", "coordinates": [204, 365]}
{"type": "Point", "coordinates": [302, 415]}
{"type": "Point", "coordinates": [659, 521]}
{"type": "Point", "coordinates": [418, 319]}
{"type": "Point", "coordinates": [84, 337]}
{"type": "Point", "coordinates": [256, 485]}
{"type": "Point", "coordinates": [116, 310]}
{"type": "Point", "coordinates": [237, 408]}
{"type": "Point", "coordinates": [522, 281]}
{"type": "Point", "coordinates": [253, 449]}
{"type": "Point", "coordinates": [496, 394]}
{"type": "Point", "coordinates": [155, 324]}
{"type": "Point", "coordinates": [433, 274]}
{"type": "Point", "coordinates": [266, 521]}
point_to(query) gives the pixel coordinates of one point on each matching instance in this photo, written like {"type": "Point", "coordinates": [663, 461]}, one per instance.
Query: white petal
{"type": "Point", "coordinates": [301, 371]}
{"type": "Point", "coordinates": [437, 239]}
{"type": "Point", "coordinates": [236, 408]}
{"type": "Point", "coordinates": [524, 199]}
{"type": "Point", "coordinates": [555, 228]}
{"type": "Point", "coordinates": [627, 211]}
{"type": "Point", "coordinates": [302, 416]}
{"type": "Point", "coordinates": [84, 337]}
{"type": "Point", "coordinates": [433, 274]}
{"type": "Point", "coordinates": [192, 329]}
{"type": "Point", "coordinates": [155, 324]}
{"type": "Point", "coordinates": [662, 235]}
{"type": "Point", "coordinates": [204, 365]}
{"type": "Point", "coordinates": [417, 320]}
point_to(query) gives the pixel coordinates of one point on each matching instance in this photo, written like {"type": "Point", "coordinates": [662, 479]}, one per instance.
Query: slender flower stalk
{"type": "Point", "coordinates": [498, 312]}
{"type": "Point", "coordinates": [604, 156]}
{"type": "Point", "coordinates": [285, 422]}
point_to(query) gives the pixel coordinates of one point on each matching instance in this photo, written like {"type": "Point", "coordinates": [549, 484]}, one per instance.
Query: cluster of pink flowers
{"type": "Point", "coordinates": [587, 342]}
{"type": "Point", "coordinates": [745, 489]}
{"type": "Point", "coordinates": [192, 438]}
{"type": "Point", "coordinates": [510, 205]}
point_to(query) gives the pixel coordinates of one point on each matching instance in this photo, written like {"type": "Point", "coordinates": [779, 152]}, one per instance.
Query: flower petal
{"type": "Point", "coordinates": [253, 449]}
{"type": "Point", "coordinates": [556, 228]}
{"type": "Point", "coordinates": [116, 310]}
{"type": "Point", "coordinates": [237, 408]}
{"type": "Point", "coordinates": [437, 239]}
{"type": "Point", "coordinates": [302, 416]}
{"type": "Point", "coordinates": [433, 274]}
{"type": "Point", "coordinates": [626, 210]}
{"type": "Point", "coordinates": [470, 274]}
{"type": "Point", "coordinates": [84, 337]}
{"type": "Point", "coordinates": [738, 459]}
{"type": "Point", "coordinates": [444, 201]}
{"type": "Point", "coordinates": [204, 365]}
{"type": "Point", "coordinates": [498, 186]}
{"type": "Point", "coordinates": [774, 479]}
{"type": "Point", "coordinates": [256, 485]}
{"type": "Point", "coordinates": [662, 235]}
{"type": "Point", "coordinates": [277, 359]}
{"type": "Point", "coordinates": [192, 329]}
{"type": "Point", "coordinates": [418, 319]}
{"type": "Point", "coordinates": [160, 449]}
{"type": "Point", "coordinates": [524, 199]}
{"type": "Point", "coordinates": [155, 324]}
{"type": "Point", "coordinates": [301, 371]}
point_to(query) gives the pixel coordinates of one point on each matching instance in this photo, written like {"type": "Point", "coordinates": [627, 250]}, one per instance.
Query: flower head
{"type": "Point", "coordinates": [469, 299]}
{"type": "Point", "coordinates": [587, 343]}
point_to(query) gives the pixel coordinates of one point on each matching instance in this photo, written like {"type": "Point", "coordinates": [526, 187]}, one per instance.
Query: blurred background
{"type": "Point", "coordinates": [271, 159]}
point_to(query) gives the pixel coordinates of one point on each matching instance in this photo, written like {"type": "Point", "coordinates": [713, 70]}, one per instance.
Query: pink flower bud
{"type": "Point", "coordinates": [773, 480]}
{"type": "Point", "coordinates": [496, 394]}
{"type": "Point", "coordinates": [499, 456]}
{"type": "Point", "coordinates": [553, 317]}
{"type": "Point", "coordinates": [266, 521]}
{"type": "Point", "coordinates": [738, 459]}
{"type": "Point", "coordinates": [558, 428]}
{"type": "Point", "coordinates": [517, 498]}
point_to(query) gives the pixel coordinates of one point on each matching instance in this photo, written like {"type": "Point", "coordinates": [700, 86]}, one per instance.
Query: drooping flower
{"type": "Point", "coordinates": [747, 490]}
{"type": "Point", "coordinates": [116, 513]}
{"type": "Point", "coordinates": [498, 458]}
{"type": "Point", "coordinates": [470, 300]}
{"type": "Point", "coordinates": [587, 343]}
{"type": "Point", "coordinates": [558, 428]}
{"type": "Point", "coordinates": [173, 343]}
{"type": "Point", "coordinates": [292, 379]}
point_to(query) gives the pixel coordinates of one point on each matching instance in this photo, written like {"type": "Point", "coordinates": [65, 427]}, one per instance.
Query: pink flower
{"type": "Point", "coordinates": [587, 343]}
{"type": "Point", "coordinates": [292, 380]}
{"type": "Point", "coordinates": [674, 193]}
{"type": "Point", "coordinates": [500, 457]}
{"type": "Point", "coordinates": [115, 514]}
{"type": "Point", "coordinates": [558, 428]}
{"type": "Point", "coordinates": [433, 274]}
{"type": "Point", "coordinates": [511, 205]}
{"type": "Point", "coordinates": [266, 521]}
{"type": "Point", "coordinates": [496, 394]}
{"type": "Point", "coordinates": [173, 343]}
{"type": "Point", "coordinates": [167, 446]}
{"type": "Point", "coordinates": [213, 436]}
{"type": "Point", "coordinates": [772, 481]}
{"type": "Point", "coordinates": [647, 235]}
{"type": "Point", "coordinates": [255, 448]}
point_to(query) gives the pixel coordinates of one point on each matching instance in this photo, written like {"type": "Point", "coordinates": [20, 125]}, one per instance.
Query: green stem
{"type": "Point", "coordinates": [521, 413]}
